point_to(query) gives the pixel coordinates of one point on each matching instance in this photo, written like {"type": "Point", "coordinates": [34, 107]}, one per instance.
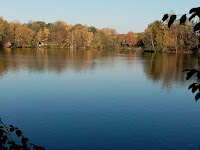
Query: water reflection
{"type": "Point", "coordinates": [40, 60]}
{"type": "Point", "coordinates": [99, 96]}
{"type": "Point", "coordinates": [168, 68]}
{"type": "Point", "coordinates": [158, 67]}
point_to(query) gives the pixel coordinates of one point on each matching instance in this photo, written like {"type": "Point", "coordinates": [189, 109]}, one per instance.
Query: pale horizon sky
{"type": "Point", "coordinates": [123, 15]}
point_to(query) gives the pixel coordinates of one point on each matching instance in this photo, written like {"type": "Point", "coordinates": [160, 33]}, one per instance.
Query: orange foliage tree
{"type": "Point", "coordinates": [131, 39]}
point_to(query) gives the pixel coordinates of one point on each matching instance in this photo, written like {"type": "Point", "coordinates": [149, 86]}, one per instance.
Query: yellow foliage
{"type": "Point", "coordinates": [8, 45]}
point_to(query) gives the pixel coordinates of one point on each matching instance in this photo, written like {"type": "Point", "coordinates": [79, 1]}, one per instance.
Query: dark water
{"type": "Point", "coordinates": [99, 100]}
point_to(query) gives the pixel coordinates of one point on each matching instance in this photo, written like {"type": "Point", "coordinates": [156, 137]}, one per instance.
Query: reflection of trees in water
{"type": "Point", "coordinates": [168, 68]}
{"type": "Point", "coordinates": [163, 67]}
{"type": "Point", "coordinates": [59, 60]}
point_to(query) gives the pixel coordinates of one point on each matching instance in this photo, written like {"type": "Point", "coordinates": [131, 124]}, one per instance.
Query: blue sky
{"type": "Point", "coordinates": [123, 15]}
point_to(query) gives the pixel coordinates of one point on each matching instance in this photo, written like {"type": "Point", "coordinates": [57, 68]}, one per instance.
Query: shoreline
{"type": "Point", "coordinates": [123, 49]}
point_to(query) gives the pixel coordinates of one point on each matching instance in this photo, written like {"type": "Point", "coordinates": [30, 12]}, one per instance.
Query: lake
{"type": "Point", "coordinates": [100, 100]}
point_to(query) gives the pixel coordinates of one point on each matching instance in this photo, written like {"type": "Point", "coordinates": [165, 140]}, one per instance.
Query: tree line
{"type": "Point", "coordinates": [157, 36]}
{"type": "Point", "coordinates": [61, 34]}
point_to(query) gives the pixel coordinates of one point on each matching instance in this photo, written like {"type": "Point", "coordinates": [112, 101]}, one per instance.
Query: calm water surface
{"type": "Point", "coordinates": [100, 100]}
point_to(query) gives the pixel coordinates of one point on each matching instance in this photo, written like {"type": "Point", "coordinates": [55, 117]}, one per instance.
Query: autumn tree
{"type": "Point", "coordinates": [159, 37]}
{"type": "Point", "coordinates": [93, 30]}
{"type": "Point", "coordinates": [104, 38]}
{"type": "Point", "coordinates": [130, 39]}
{"type": "Point", "coordinates": [196, 28]}
{"type": "Point", "coordinates": [3, 32]}
{"type": "Point", "coordinates": [156, 37]}
{"type": "Point", "coordinates": [58, 32]}
{"type": "Point", "coordinates": [153, 36]}
{"type": "Point", "coordinates": [81, 35]}
{"type": "Point", "coordinates": [43, 35]}
{"type": "Point", "coordinates": [23, 36]}
{"type": "Point", "coordinates": [96, 44]}
{"type": "Point", "coordinates": [36, 26]}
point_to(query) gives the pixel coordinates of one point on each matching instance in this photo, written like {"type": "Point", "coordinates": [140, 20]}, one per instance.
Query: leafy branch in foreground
{"type": "Point", "coordinates": [190, 72]}
{"type": "Point", "coordinates": [194, 86]}
{"type": "Point", "coordinates": [7, 142]}
{"type": "Point", "coordinates": [193, 12]}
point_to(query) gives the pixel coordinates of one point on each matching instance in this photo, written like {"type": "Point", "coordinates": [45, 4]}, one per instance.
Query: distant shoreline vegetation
{"type": "Point", "coordinates": [157, 37]}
